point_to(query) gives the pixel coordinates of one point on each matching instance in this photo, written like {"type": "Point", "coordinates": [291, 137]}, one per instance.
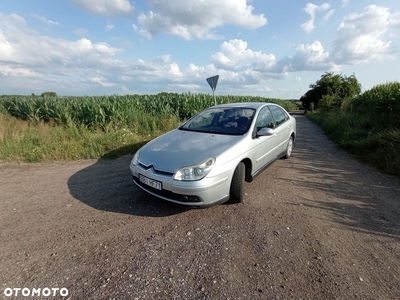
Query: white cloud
{"type": "Point", "coordinates": [6, 48]}
{"type": "Point", "coordinates": [200, 73]}
{"type": "Point", "coordinates": [171, 67]}
{"type": "Point", "coordinates": [345, 2]}
{"type": "Point", "coordinates": [328, 15]}
{"type": "Point", "coordinates": [185, 87]}
{"type": "Point", "coordinates": [102, 81]}
{"type": "Point", "coordinates": [88, 64]}
{"type": "Point", "coordinates": [109, 27]}
{"type": "Point", "coordinates": [243, 66]}
{"type": "Point", "coordinates": [233, 54]}
{"type": "Point", "coordinates": [20, 45]}
{"type": "Point", "coordinates": [311, 57]}
{"type": "Point", "coordinates": [264, 61]}
{"type": "Point", "coordinates": [70, 64]}
{"type": "Point", "coordinates": [113, 8]}
{"type": "Point", "coordinates": [37, 61]}
{"type": "Point", "coordinates": [81, 31]}
{"type": "Point", "coordinates": [44, 20]}
{"type": "Point", "coordinates": [142, 32]}
{"type": "Point", "coordinates": [196, 19]}
{"type": "Point", "coordinates": [311, 9]}
{"type": "Point", "coordinates": [363, 37]}
{"type": "Point", "coordinates": [17, 72]}
{"type": "Point", "coordinates": [247, 65]}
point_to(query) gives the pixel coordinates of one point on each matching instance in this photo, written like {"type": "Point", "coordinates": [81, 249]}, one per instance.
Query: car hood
{"type": "Point", "coordinates": [180, 148]}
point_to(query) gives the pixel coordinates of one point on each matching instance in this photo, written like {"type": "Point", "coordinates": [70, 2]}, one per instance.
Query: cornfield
{"type": "Point", "coordinates": [116, 112]}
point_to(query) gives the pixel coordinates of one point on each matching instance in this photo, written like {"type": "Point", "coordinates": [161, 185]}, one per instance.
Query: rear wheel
{"type": "Point", "coordinates": [289, 148]}
{"type": "Point", "coordinates": [237, 184]}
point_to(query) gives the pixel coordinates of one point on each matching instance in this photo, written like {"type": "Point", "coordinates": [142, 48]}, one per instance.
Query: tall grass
{"type": "Point", "coordinates": [33, 141]}
{"type": "Point", "coordinates": [368, 126]}
{"type": "Point", "coordinates": [52, 128]}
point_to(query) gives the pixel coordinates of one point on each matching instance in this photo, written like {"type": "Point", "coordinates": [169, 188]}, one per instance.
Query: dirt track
{"type": "Point", "coordinates": [317, 226]}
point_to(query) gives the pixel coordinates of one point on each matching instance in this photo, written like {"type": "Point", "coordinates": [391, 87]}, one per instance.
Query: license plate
{"type": "Point", "coordinates": [150, 182]}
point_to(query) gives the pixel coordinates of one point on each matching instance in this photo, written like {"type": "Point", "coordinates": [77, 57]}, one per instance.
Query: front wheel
{"type": "Point", "coordinates": [237, 184]}
{"type": "Point", "coordinates": [289, 148]}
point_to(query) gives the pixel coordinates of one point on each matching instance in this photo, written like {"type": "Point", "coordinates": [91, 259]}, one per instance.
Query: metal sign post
{"type": "Point", "coordinates": [212, 81]}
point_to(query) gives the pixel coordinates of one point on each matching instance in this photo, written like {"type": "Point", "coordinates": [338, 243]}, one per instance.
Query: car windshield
{"type": "Point", "coordinates": [227, 120]}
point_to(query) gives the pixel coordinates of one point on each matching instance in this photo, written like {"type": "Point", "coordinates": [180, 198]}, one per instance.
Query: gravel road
{"type": "Point", "coordinates": [317, 226]}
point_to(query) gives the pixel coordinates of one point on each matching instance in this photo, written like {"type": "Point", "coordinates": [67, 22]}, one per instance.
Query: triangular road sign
{"type": "Point", "coordinates": [212, 81]}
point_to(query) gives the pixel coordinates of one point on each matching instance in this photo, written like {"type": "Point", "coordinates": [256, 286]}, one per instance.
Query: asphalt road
{"type": "Point", "coordinates": [317, 226]}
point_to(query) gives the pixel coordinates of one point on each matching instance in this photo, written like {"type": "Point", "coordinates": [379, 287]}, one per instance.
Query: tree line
{"type": "Point", "coordinates": [331, 90]}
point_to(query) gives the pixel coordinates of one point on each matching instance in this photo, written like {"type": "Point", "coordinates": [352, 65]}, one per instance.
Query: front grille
{"type": "Point", "coordinates": [155, 171]}
{"type": "Point", "coordinates": [168, 194]}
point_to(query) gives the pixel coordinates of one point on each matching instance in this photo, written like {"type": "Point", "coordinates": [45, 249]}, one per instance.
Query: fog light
{"type": "Point", "coordinates": [191, 199]}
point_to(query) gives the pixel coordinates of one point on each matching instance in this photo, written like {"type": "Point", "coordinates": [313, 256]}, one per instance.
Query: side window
{"type": "Point", "coordinates": [264, 119]}
{"type": "Point", "coordinates": [278, 115]}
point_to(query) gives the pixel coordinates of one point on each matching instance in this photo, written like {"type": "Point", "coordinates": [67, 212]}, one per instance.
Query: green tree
{"type": "Point", "coordinates": [49, 94]}
{"type": "Point", "coordinates": [337, 86]}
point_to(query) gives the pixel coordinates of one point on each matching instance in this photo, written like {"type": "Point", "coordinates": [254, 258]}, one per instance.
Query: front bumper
{"type": "Point", "coordinates": [201, 193]}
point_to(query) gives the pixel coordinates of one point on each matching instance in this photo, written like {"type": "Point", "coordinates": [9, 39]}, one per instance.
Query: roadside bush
{"type": "Point", "coordinates": [383, 98]}
{"type": "Point", "coordinates": [367, 126]}
{"type": "Point", "coordinates": [382, 103]}
{"type": "Point", "coordinates": [338, 86]}
{"type": "Point", "coordinates": [327, 102]}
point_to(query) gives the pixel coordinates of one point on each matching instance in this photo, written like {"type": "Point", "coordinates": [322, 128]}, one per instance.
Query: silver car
{"type": "Point", "coordinates": [207, 159]}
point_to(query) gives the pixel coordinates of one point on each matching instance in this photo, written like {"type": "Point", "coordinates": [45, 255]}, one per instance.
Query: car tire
{"type": "Point", "coordinates": [289, 148]}
{"type": "Point", "coordinates": [237, 184]}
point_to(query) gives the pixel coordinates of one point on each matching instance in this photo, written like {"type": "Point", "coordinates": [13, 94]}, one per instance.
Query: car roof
{"type": "Point", "coordinates": [255, 105]}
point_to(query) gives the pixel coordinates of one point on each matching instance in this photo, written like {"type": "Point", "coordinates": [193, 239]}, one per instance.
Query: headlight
{"type": "Point", "coordinates": [135, 158]}
{"type": "Point", "coordinates": [195, 172]}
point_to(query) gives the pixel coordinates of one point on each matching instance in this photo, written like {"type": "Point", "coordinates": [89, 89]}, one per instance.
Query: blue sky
{"type": "Point", "coordinates": [257, 47]}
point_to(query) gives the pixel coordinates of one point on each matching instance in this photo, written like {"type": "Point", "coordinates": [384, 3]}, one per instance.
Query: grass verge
{"type": "Point", "coordinates": [31, 141]}
{"type": "Point", "coordinates": [363, 136]}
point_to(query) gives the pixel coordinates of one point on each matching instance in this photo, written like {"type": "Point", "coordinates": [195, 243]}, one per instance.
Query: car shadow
{"type": "Point", "coordinates": [107, 185]}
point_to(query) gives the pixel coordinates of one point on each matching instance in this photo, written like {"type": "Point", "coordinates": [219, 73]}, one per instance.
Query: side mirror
{"type": "Point", "coordinates": [265, 132]}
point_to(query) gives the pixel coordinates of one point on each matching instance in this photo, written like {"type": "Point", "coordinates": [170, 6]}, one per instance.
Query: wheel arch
{"type": "Point", "coordinates": [248, 167]}
{"type": "Point", "coordinates": [293, 135]}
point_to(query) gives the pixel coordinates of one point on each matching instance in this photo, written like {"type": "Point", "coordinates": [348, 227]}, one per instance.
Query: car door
{"type": "Point", "coordinates": [265, 146]}
{"type": "Point", "coordinates": [282, 128]}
